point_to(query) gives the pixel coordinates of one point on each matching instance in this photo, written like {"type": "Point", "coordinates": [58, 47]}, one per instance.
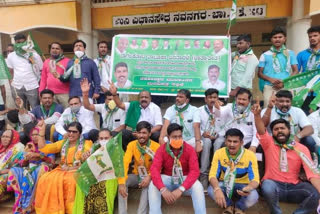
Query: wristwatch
{"type": "Point", "coordinates": [182, 189]}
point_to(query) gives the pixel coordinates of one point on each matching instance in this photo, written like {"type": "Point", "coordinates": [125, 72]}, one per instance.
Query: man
{"type": "Point", "coordinates": [113, 117]}
{"type": "Point", "coordinates": [9, 99]}
{"type": "Point", "coordinates": [284, 157]}
{"type": "Point", "coordinates": [121, 75]}
{"type": "Point", "coordinates": [10, 49]}
{"type": "Point", "coordinates": [185, 115]}
{"type": "Point", "coordinates": [300, 126]}
{"type": "Point", "coordinates": [77, 69]}
{"type": "Point", "coordinates": [142, 152]}
{"type": "Point", "coordinates": [309, 59]}
{"type": "Point", "coordinates": [238, 115]}
{"type": "Point", "coordinates": [275, 65]}
{"type": "Point", "coordinates": [213, 79]}
{"type": "Point", "coordinates": [218, 48]}
{"type": "Point", "coordinates": [209, 114]}
{"type": "Point", "coordinates": [196, 44]}
{"type": "Point", "coordinates": [314, 118]}
{"type": "Point", "coordinates": [144, 44]}
{"type": "Point", "coordinates": [24, 66]}
{"type": "Point", "coordinates": [244, 64]}
{"type": "Point", "coordinates": [76, 113]}
{"type": "Point", "coordinates": [142, 110]}
{"type": "Point", "coordinates": [134, 44]}
{"type": "Point", "coordinates": [122, 45]}
{"type": "Point", "coordinates": [56, 63]}
{"type": "Point", "coordinates": [166, 45]}
{"type": "Point", "coordinates": [154, 44]}
{"type": "Point", "coordinates": [207, 44]}
{"type": "Point", "coordinates": [174, 173]}
{"type": "Point", "coordinates": [187, 44]}
{"type": "Point", "coordinates": [234, 172]}
{"type": "Point", "coordinates": [103, 64]}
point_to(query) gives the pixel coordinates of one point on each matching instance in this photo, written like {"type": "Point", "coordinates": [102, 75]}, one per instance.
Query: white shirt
{"type": "Point", "coordinates": [246, 126]}
{"type": "Point", "coordinates": [105, 74]}
{"type": "Point", "coordinates": [299, 119]}
{"type": "Point", "coordinates": [128, 84]}
{"type": "Point", "coordinates": [84, 116]}
{"type": "Point", "coordinates": [23, 75]}
{"type": "Point", "coordinates": [190, 116]}
{"type": "Point", "coordinates": [223, 51]}
{"type": "Point", "coordinates": [204, 117]}
{"type": "Point", "coordinates": [314, 118]}
{"type": "Point", "coordinates": [151, 114]}
{"type": "Point", "coordinates": [117, 117]}
{"type": "Point", "coordinates": [219, 85]}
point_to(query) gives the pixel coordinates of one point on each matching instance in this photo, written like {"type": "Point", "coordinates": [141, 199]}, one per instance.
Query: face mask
{"type": "Point", "coordinates": [112, 105]}
{"type": "Point", "coordinates": [55, 56]}
{"type": "Point", "coordinates": [176, 144]}
{"type": "Point", "coordinates": [282, 113]}
{"type": "Point", "coordinates": [75, 109]}
{"type": "Point", "coordinates": [183, 105]}
{"type": "Point", "coordinates": [79, 54]}
{"type": "Point", "coordinates": [241, 109]}
{"type": "Point", "coordinates": [103, 142]}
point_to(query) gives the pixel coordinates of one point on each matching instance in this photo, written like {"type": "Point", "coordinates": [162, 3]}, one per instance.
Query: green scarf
{"type": "Point", "coordinates": [210, 126]}
{"type": "Point", "coordinates": [133, 115]}
{"type": "Point", "coordinates": [231, 172]}
{"type": "Point", "coordinates": [179, 113]}
{"type": "Point", "coordinates": [75, 69]}
{"type": "Point", "coordinates": [145, 150]}
{"type": "Point", "coordinates": [237, 55]}
{"type": "Point", "coordinates": [51, 110]}
{"type": "Point", "coordinates": [108, 119]}
{"type": "Point", "coordinates": [277, 67]}
{"type": "Point", "coordinates": [283, 161]}
{"type": "Point", "coordinates": [100, 66]}
{"type": "Point", "coordinates": [176, 162]}
{"type": "Point", "coordinates": [313, 63]}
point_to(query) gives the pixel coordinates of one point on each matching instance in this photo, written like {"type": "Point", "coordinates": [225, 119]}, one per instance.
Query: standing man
{"type": "Point", "coordinates": [186, 116]}
{"type": "Point", "coordinates": [174, 172]}
{"type": "Point", "coordinates": [244, 64]}
{"type": "Point", "coordinates": [142, 152]}
{"type": "Point", "coordinates": [57, 63]}
{"type": "Point", "coordinates": [275, 65]}
{"type": "Point", "coordinates": [24, 66]}
{"type": "Point", "coordinates": [103, 64]}
{"type": "Point", "coordinates": [77, 69]}
{"type": "Point", "coordinates": [234, 172]}
{"type": "Point", "coordinates": [284, 158]}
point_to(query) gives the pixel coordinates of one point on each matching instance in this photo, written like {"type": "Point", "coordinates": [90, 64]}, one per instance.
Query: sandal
{"type": "Point", "coordinates": [228, 210]}
{"type": "Point", "coordinates": [238, 211]}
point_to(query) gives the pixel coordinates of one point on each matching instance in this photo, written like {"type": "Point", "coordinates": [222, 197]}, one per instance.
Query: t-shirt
{"type": "Point", "coordinates": [303, 58]}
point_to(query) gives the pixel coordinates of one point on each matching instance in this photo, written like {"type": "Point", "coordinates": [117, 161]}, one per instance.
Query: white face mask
{"type": "Point", "coordinates": [79, 54]}
{"type": "Point", "coordinates": [241, 109]}
{"type": "Point", "coordinates": [103, 142]}
{"type": "Point", "coordinates": [183, 105]}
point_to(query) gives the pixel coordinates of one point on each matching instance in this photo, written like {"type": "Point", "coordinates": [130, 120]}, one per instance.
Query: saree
{"type": "Point", "coordinates": [56, 190]}
{"type": "Point", "coordinates": [23, 180]}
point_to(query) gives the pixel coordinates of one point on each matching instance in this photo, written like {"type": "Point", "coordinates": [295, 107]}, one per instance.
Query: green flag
{"type": "Point", "coordinates": [104, 164]}
{"type": "Point", "coordinates": [34, 44]}
{"type": "Point", "coordinates": [233, 14]}
{"type": "Point", "coordinates": [4, 71]}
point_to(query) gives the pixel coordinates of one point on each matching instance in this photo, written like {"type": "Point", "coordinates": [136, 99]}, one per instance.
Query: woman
{"type": "Point", "coordinates": [10, 148]}
{"type": "Point", "coordinates": [56, 189]}
{"type": "Point", "coordinates": [23, 180]}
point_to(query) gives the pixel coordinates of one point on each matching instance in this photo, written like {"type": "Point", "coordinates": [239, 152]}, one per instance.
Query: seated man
{"type": "Point", "coordinates": [284, 157]}
{"type": "Point", "coordinates": [185, 115]}
{"type": "Point", "coordinates": [76, 113]}
{"type": "Point", "coordinates": [142, 151]}
{"type": "Point", "coordinates": [113, 117]}
{"type": "Point", "coordinates": [208, 116]}
{"type": "Point", "coordinates": [300, 126]}
{"type": "Point", "coordinates": [314, 118]}
{"type": "Point", "coordinates": [142, 110]}
{"type": "Point", "coordinates": [234, 172]}
{"type": "Point", "coordinates": [237, 115]}
{"type": "Point", "coordinates": [174, 171]}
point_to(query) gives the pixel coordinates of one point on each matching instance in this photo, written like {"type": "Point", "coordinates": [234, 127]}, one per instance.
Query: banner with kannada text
{"type": "Point", "coordinates": [165, 64]}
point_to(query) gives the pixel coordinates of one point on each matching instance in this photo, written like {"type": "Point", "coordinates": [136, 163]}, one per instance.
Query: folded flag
{"type": "Point", "coordinates": [4, 71]}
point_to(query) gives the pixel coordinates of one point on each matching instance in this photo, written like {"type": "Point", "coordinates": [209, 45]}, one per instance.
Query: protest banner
{"type": "Point", "coordinates": [165, 64]}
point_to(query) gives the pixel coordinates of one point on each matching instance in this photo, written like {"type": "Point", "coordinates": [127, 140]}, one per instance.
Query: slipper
{"type": "Point", "coordinates": [238, 211]}
{"type": "Point", "coordinates": [228, 210]}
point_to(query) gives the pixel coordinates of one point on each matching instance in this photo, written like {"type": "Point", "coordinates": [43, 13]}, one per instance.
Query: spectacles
{"type": "Point", "coordinates": [72, 131]}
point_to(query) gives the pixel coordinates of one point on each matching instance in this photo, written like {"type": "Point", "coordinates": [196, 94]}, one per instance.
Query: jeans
{"type": "Point", "coordinates": [132, 181]}
{"type": "Point", "coordinates": [309, 142]}
{"type": "Point", "coordinates": [196, 192]}
{"type": "Point", "coordinates": [303, 193]}
{"type": "Point", "coordinates": [31, 96]}
{"type": "Point", "coordinates": [205, 156]}
{"type": "Point", "coordinates": [243, 202]}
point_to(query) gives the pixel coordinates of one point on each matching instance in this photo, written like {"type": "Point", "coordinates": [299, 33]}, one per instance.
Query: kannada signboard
{"type": "Point", "coordinates": [165, 64]}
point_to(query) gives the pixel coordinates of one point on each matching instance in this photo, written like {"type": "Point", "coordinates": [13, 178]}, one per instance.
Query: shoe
{"type": "Point", "coordinates": [238, 211]}
{"type": "Point", "coordinates": [228, 210]}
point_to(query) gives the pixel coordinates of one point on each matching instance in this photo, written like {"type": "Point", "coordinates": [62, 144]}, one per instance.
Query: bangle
{"type": "Point", "coordinates": [216, 189]}
{"type": "Point", "coordinates": [163, 189]}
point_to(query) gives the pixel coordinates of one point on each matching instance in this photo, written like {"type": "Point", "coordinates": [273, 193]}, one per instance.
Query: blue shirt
{"type": "Point", "coordinates": [266, 62]}
{"type": "Point", "coordinates": [36, 111]}
{"type": "Point", "coordinates": [90, 71]}
{"type": "Point", "coordinates": [303, 58]}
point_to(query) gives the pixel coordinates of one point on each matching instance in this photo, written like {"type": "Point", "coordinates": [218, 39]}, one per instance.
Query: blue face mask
{"type": "Point", "coordinates": [283, 114]}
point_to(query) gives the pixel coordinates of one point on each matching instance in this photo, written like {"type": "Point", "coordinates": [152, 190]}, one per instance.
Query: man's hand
{"type": "Point", "coordinates": [272, 101]}
{"type": "Point", "coordinates": [145, 182]}
{"type": "Point", "coordinates": [19, 102]}
{"type": "Point", "coordinates": [177, 193]}
{"type": "Point", "coordinates": [206, 135]}
{"type": "Point", "coordinates": [253, 149]}
{"type": "Point", "coordinates": [220, 199]}
{"type": "Point", "coordinates": [278, 86]}
{"type": "Point", "coordinates": [218, 104]}
{"type": "Point", "coordinates": [103, 89]}
{"type": "Point", "coordinates": [245, 191]}
{"type": "Point", "coordinates": [85, 85]}
{"type": "Point", "coordinates": [112, 88]}
{"type": "Point", "coordinates": [198, 147]}
{"type": "Point", "coordinates": [95, 96]}
{"type": "Point", "coordinates": [123, 191]}
{"type": "Point", "coordinates": [55, 74]}
{"type": "Point", "coordinates": [255, 108]}
{"type": "Point", "coordinates": [168, 197]}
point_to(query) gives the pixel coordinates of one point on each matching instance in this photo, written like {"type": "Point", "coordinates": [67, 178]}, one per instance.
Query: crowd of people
{"type": "Point", "coordinates": [234, 152]}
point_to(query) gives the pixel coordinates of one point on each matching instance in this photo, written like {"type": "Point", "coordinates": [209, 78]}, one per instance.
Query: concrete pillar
{"type": "Point", "coordinates": [297, 26]}
{"type": "Point", "coordinates": [95, 40]}
{"type": "Point", "coordinates": [85, 33]}
{"type": "Point", "coordinates": [1, 49]}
